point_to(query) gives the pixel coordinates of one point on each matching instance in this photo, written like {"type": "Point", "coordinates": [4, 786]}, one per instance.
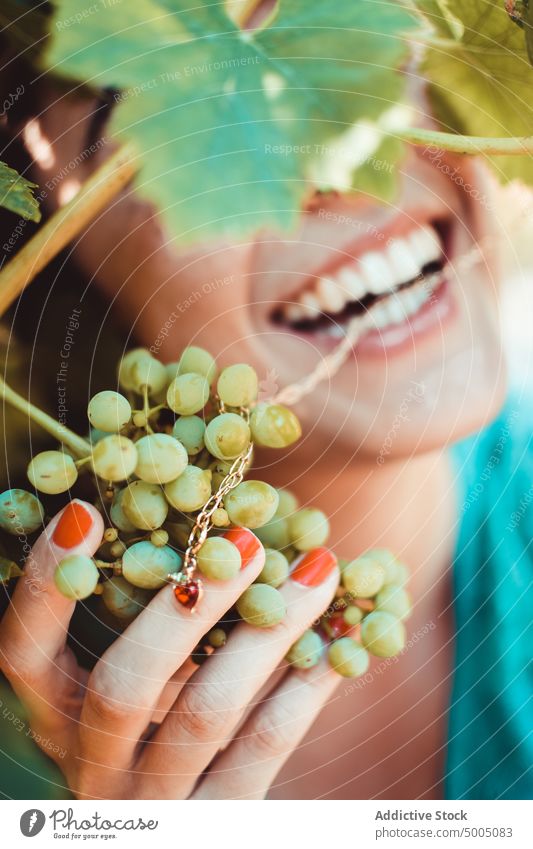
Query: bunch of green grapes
{"type": "Point", "coordinates": [366, 617]}
{"type": "Point", "coordinates": [156, 454]}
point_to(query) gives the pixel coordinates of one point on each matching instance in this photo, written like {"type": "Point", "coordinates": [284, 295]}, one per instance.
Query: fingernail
{"type": "Point", "coordinates": [246, 542]}
{"type": "Point", "coordinates": [314, 567]}
{"type": "Point", "coordinates": [73, 526]}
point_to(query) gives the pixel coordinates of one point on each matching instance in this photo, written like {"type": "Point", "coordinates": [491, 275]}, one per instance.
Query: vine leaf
{"type": "Point", "coordinates": [479, 74]}
{"type": "Point", "coordinates": [233, 126]}
{"type": "Point", "coordinates": [16, 194]}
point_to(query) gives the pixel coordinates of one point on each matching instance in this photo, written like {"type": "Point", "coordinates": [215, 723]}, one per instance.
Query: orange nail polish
{"type": "Point", "coordinates": [314, 567]}
{"type": "Point", "coordinates": [246, 542]}
{"type": "Point", "coordinates": [73, 526]}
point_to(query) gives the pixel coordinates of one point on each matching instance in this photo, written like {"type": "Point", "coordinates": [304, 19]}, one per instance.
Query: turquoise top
{"type": "Point", "coordinates": [490, 745]}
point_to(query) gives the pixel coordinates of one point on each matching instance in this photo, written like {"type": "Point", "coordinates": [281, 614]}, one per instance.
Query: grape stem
{"type": "Point", "coordinates": [82, 461]}
{"type": "Point", "coordinates": [472, 145]}
{"type": "Point", "coordinates": [67, 223]}
{"type": "Point", "coordinates": [146, 410]}
{"type": "Point", "coordinates": [67, 437]}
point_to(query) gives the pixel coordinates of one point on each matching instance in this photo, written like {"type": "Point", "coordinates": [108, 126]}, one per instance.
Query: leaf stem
{"type": "Point", "coordinates": [67, 437]}
{"type": "Point", "coordinates": [65, 224]}
{"type": "Point", "coordinates": [472, 145]}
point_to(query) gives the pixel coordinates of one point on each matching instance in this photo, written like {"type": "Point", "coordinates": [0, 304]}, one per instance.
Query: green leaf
{"type": "Point", "coordinates": [16, 194]}
{"type": "Point", "coordinates": [232, 125]}
{"type": "Point", "coordinates": [479, 74]}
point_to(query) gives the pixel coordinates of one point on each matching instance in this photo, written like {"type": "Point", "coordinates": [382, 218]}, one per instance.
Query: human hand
{"type": "Point", "coordinates": [102, 722]}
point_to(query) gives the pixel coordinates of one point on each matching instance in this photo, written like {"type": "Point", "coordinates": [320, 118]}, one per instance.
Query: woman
{"type": "Point", "coordinates": [374, 456]}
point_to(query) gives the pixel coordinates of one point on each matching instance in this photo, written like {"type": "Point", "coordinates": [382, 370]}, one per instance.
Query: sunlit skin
{"type": "Point", "coordinates": [384, 737]}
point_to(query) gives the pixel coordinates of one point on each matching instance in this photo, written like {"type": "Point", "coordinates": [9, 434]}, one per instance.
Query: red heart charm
{"type": "Point", "coordinates": [187, 593]}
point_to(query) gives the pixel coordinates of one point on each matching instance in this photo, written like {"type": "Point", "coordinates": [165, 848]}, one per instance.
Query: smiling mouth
{"type": "Point", "coordinates": [395, 283]}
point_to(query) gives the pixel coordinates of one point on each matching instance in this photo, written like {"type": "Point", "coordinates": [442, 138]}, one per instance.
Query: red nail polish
{"type": "Point", "coordinates": [314, 567]}
{"type": "Point", "coordinates": [73, 526]}
{"type": "Point", "coordinates": [246, 542]}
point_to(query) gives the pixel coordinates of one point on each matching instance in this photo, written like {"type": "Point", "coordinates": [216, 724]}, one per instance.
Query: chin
{"type": "Point", "coordinates": [428, 367]}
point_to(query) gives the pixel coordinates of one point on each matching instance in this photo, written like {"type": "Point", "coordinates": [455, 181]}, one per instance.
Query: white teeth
{"type": "Point", "coordinates": [377, 273]}
{"type": "Point", "coordinates": [330, 296]}
{"type": "Point", "coordinates": [402, 259]}
{"type": "Point", "coordinates": [293, 312]}
{"type": "Point", "coordinates": [352, 283]}
{"type": "Point", "coordinates": [380, 316]}
{"type": "Point", "coordinates": [396, 310]}
{"type": "Point", "coordinates": [310, 305]}
{"type": "Point", "coordinates": [426, 245]}
{"type": "Point", "coordinates": [335, 330]}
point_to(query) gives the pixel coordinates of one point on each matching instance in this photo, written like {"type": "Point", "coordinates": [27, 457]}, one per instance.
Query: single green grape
{"type": "Point", "coordinates": [52, 472]}
{"type": "Point", "coordinates": [188, 394]}
{"type": "Point", "coordinates": [382, 634]}
{"type": "Point", "coordinates": [76, 576]}
{"type": "Point", "coordinates": [251, 504]}
{"type": "Point", "coordinates": [348, 658]}
{"type": "Point", "coordinates": [275, 533]}
{"type": "Point", "coordinates": [114, 458]}
{"type": "Point", "coordinates": [179, 533]}
{"type": "Point", "coordinates": [223, 466]}
{"type": "Point", "coordinates": [147, 373]}
{"type": "Point", "coordinates": [118, 516]}
{"type": "Point", "coordinates": [159, 537]}
{"type": "Point", "coordinates": [21, 512]}
{"type": "Point", "coordinates": [198, 361]}
{"type": "Point", "coordinates": [124, 600]}
{"type": "Point", "coordinates": [220, 518]}
{"type": "Point", "coordinates": [227, 436]}
{"type": "Point", "coordinates": [172, 371]}
{"type": "Point", "coordinates": [261, 605]}
{"type": "Point", "coordinates": [160, 458]}
{"type": "Point", "coordinates": [308, 528]}
{"type": "Point", "coordinates": [191, 490]}
{"type": "Point", "coordinates": [287, 505]}
{"type": "Point", "coordinates": [147, 566]}
{"type": "Point", "coordinates": [117, 549]}
{"type": "Point", "coordinates": [363, 577]}
{"type": "Point", "coordinates": [145, 505]}
{"type": "Point", "coordinates": [402, 575]}
{"type": "Point", "coordinates": [126, 364]}
{"type": "Point", "coordinates": [353, 615]}
{"type": "Point", "coordinates": [216, 481]}
{"type": "Point", "coordinates": [274, 426]}
{"type": "Point", "coordinates": [238, 385]}
{"type": "Point", "coordinates": [190, 431]}
{"type": "Point", "coordinates": [395, 571]}
{"type": "Point", "coordinates": [395, 600]}
{"type": "Point", "coordinates": [109, 411]}
{"type": "Point", "coordinates": [217, 638]}
{"type": "Point", "coordinates": [307, 651]}
{"type": "Point", "coordinates": [95, 435]}
{"type": "Point", "coordinates": [219, 559]}
{"type": "Point", "coordinates": [275, 570]}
